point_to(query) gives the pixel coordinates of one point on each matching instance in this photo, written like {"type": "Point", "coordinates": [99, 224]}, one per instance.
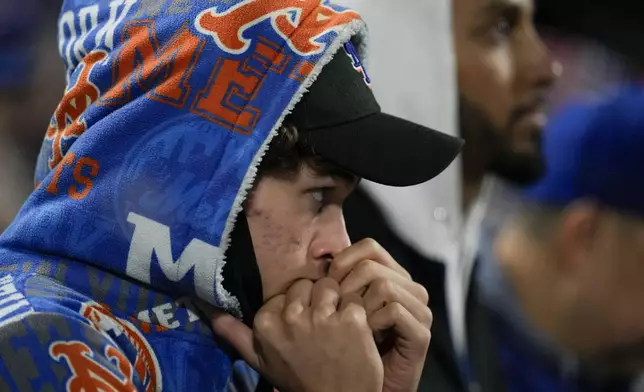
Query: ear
{"type": "Point", "coordinates": [510, 246]}
{"type": "Point", "coordinates": [579, 232]}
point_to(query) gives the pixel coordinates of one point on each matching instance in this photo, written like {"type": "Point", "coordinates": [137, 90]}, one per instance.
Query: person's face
{"type": "Point", "coordinates": [606, 256]}
{"type": "Point", "coordinates": [504, 74]}
{"type": "Point", "coordinates": [297, 226]}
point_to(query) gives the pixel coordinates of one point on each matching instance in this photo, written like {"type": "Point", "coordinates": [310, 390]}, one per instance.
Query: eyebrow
{"type": "Point", "coordinates": [491, 10]}
{"type": "Point", "coordinates": [492, 6]}
{"type": "Point", "coordinates": [337, 173]}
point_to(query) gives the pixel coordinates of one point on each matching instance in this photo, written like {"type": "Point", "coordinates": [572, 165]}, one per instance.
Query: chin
{"type": "Point", "coordinates": [520, 169]}
{"type": "Point", "coordinates": [612, 370]}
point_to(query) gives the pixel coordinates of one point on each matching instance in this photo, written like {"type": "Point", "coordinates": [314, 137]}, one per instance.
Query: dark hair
{"type": "Point", "coordinates": [540, 220]}
{"type": "Point", "coordinates": [287, 154]}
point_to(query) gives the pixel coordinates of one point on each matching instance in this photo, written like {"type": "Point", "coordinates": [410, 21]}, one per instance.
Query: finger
{"type": "Point", "coordinates": [298, 300]}
{"type": "Point", "coordinates": [275, 304]}
{"type": "Point", "coordinates": [383, 292]}
{"type": "Point", "coordinates": [325, 297]}
{"type": "Point", "coordinates": [345, 261]}
{"type": "Point", "coordinates": [411, 334]}
{"type": "Point", "coordinates": [271, 310]}
{"type": "Point", "coordinates": [367, 272]}
{"type": "Point", "coordinates": [238, 335]}
{"type": "Point", "coordinates": [268, 319]}
{"type": "Point", "coordinates": [300, 292]}
{"type": "Point", "coordinates": [352, 299]}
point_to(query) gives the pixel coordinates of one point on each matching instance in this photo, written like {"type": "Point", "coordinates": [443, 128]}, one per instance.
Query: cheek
{"type": "Point", "coordinates": [485, 78]}
{"type": "Point", "coordinates": [629, 287]}
{"type": "Point", "coordinates": [616, 292]}
{"type": "Point", "coordinates": [281, 245]}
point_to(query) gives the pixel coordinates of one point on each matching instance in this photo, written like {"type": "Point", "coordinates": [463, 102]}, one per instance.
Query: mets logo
{"type": "Point", "coordinates": [357, 64]}
{"type": "Point", "coordinates": [67, 121]}
{"type": "Point", "coordinates": [300, 22]}
{"type": "Point", "coordinates": [90, 375]}
{"type": "Point", "coordinates": [87, 371]}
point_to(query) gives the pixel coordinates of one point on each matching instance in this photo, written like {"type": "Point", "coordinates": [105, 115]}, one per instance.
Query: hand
{"type": "Point", "coordinates": [396, 310]}
{"type": "Point", "coordinates": [302, 341]}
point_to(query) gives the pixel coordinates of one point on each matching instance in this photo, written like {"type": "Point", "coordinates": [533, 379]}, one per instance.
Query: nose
{"type": "Point", "coordinates": [331, 234]}
{"type": "Point", "coordinates": [539, 68]}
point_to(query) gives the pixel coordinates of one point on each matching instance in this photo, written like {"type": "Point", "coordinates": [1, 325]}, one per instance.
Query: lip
{"type": "Point", "coordinates": [539, 117]}
{"type": "Point", "coordinates": [533, 111]}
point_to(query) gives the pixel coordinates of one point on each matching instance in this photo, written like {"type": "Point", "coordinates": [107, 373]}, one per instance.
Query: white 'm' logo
{"type": "Point", "coordinates": [151, 237]}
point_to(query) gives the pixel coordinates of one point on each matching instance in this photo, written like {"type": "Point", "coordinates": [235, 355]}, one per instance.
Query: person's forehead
{"type": "Point", "coordinates": [320, 169]}
{"type": "Point", "coordinates": [478, 6]}
{"type": "Point", "coordinates": [349, 179]}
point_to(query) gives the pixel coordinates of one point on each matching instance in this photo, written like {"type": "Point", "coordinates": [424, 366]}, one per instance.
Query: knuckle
{"type": "Point", "coordinates": [354, 315]}
{"type": "Point", "coordinates": [292, 314]}
{"type": "Point", "coordinates": [421, 293]}
{"type": "Point", "coordinates": [428, 317]}
{"type": "Point", "coordinates": [264, 321]}
{"type": "Point", "coordinates": [372, 244]}
{"type": "Point", "coordinates": [384, 287]}
{"type": "Point", "coordinates": [327, 283]}
{"type": "Point", "coordinates": [322, 313]}
{"type": "Point", "coordinates": [301, 286]}
{"type": "Point", "coordinates": [396, 310]}
{"type": "Point", "coordinates": [365, 267]}
{"type": "Point", "coordinates": [405, 273]}
{"type": "Point", "coordinates": [425, 336]}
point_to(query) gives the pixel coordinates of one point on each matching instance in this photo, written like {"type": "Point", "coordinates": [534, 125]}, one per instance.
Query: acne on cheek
{"type": "Point", "coordinates": [269, 234]}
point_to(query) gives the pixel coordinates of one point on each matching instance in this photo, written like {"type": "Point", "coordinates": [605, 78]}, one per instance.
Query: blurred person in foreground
{"type": "Point", "coordinates": [504, 75]}
{"type": "Point", "coordinates": [574, 253]}
{"type": "Point", "coordinates": [201, 154]}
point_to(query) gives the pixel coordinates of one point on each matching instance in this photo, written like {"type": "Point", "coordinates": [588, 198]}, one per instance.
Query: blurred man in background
{"type": "Point", "coordinates": [504, 73]}
{"type": "Point", "coordinates": [574, 254]}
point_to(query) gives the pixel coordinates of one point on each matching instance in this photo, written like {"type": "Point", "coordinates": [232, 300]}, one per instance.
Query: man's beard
{"type": "Point", "coordinates": [625, 361]}
{"type": "Point", "coordinates": [478, 131]}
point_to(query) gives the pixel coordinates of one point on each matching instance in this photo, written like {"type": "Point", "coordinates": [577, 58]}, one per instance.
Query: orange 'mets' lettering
{"type": "Point", "coordinates": [89, 375]}
{"type": "Point", "coordinates": [313, 21]}
{"type": "Point", "coordinates": [232, 80]}
{"type": "Point", "coordinates": [67, 121]}
{"type": "Point", "coordinates": [162, 70]}
{"type": "Point", "coordinates": [145, 364]}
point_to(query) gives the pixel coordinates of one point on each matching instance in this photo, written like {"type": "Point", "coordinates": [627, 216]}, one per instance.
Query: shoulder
{"type": "Point", "coordinates": [55, 352]}
{"type": "Point", "coordinates": [24, 294]}
{"type": "Point", "coordinates": [46, 344]}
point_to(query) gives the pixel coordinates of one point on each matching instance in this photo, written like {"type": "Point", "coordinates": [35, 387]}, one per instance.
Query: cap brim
{"type": "Point", "coordinates": [386, 149]}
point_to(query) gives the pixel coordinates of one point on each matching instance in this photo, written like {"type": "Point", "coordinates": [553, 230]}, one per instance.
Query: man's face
{"type": "Point", "coordinates": [504, 74]}
{"type": "Point", "coordinates": [608, 277]}
{"type": "Point", "coordinates": [297, 226]}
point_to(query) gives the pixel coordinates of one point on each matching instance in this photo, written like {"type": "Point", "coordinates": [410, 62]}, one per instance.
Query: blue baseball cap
{"type": "Point", "coordinates": [595, 150]}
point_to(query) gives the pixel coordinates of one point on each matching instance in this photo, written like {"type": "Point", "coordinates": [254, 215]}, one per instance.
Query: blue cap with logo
{"type": "Point", "coordinates": [595, 150]}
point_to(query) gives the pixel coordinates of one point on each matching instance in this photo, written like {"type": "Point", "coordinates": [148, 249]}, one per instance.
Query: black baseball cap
{"type": "Point", "coordinates": [341, 120]}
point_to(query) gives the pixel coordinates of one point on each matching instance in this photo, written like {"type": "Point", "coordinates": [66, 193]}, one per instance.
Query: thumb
{"type": "Point", "coordinates": [233, 331]}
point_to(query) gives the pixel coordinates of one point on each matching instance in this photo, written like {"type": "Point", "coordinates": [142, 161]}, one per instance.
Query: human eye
{"type": "Point", "coordinates": [503, 26]}
{"type": "Point", "coordinates": [317, 194]}
{"type": "Point", "coordinates": [319, 197]}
